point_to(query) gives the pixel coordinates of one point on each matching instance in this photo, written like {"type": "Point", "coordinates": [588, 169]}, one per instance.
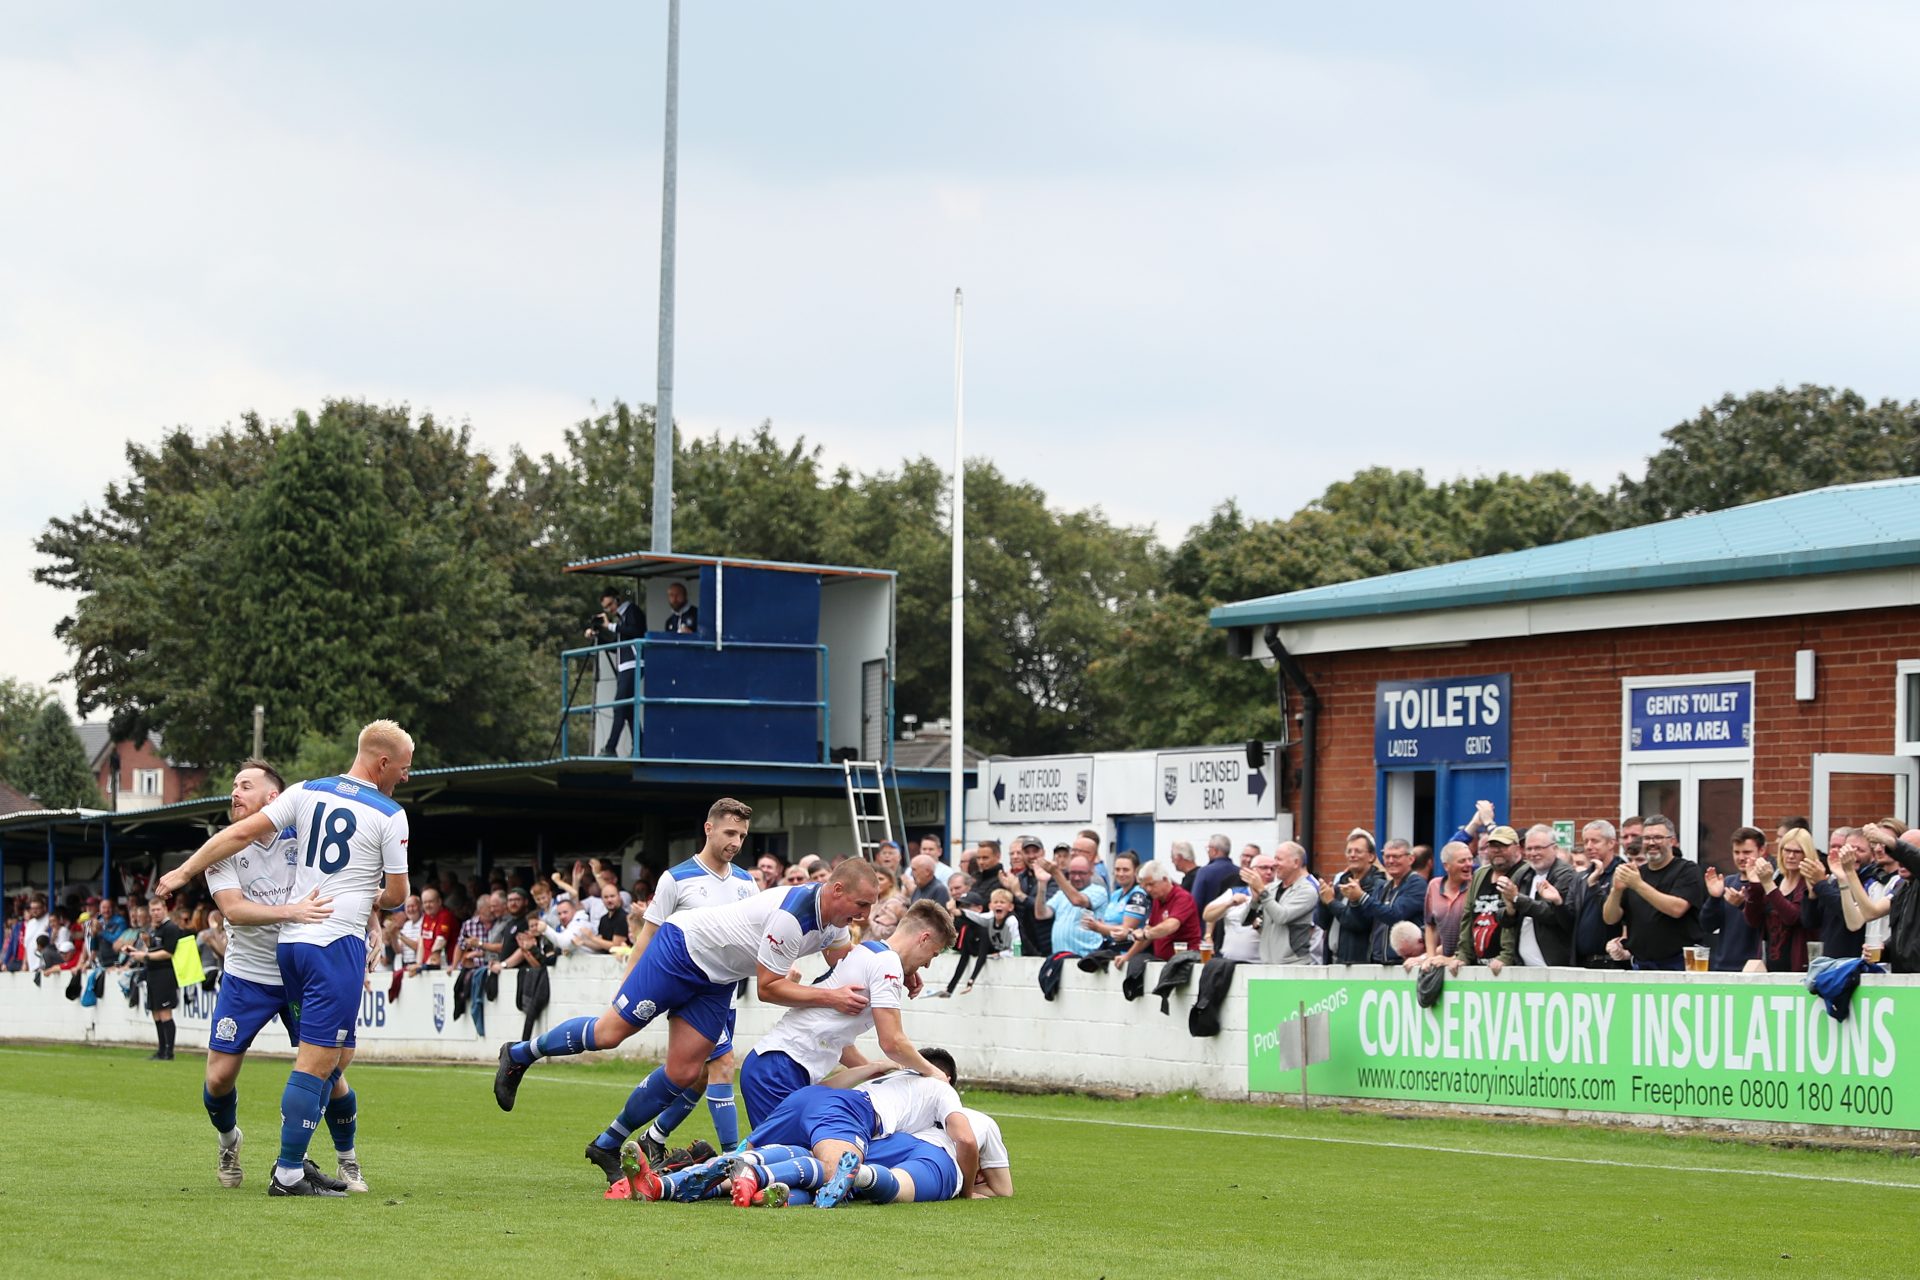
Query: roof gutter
{"type": "Point", "coordinates": [1290, 673]}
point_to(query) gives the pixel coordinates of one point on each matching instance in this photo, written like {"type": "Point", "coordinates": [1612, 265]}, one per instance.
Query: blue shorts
{"type": "Point", "coordinates": [324, 984]}
{"type": "Point", "coordinates": [724, 1045]}
{"type": "Point", "coordinates": [935, 1175]}
{"type": "Point", "coordinates": [666, 980]}
{"type": "Point", "coordinates": [766, 1080]}
{"type": "Point", "coordinates": [818, 1113]}
{"type": "Point", "coordinates": [242, 1011]}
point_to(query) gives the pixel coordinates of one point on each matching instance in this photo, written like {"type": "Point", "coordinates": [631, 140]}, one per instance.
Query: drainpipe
{"type": "Point", "coordinates": [1290, 673]}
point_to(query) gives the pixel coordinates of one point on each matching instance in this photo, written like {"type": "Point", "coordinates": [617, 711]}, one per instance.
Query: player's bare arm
{"type": "Point", "coordinates": [254, 829]}
{"type": "Point", "coordinates": [240, 909]}
{"type": "Point", "coordinates": [778, 988]}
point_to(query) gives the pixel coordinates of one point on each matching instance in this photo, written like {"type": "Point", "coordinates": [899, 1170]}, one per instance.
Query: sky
{"type": "Point", "coordinates": [1209, 252]}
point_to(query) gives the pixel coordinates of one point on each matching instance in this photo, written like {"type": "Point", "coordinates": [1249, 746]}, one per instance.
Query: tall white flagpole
{"type": "Point", "coordinates": [956, 779]}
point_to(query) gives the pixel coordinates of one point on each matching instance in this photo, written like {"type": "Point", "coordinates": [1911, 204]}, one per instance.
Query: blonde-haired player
{"type": "Point", "coordinates": [350, 838]}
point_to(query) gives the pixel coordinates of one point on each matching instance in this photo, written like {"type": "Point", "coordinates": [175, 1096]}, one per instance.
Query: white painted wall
{"type": "Point", "coordinates": [856, 618]}
{"type": "Point", "coordinates": [1004, 1032]}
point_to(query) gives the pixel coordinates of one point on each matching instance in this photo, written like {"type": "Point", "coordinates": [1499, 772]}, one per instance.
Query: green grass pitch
{"type": "Point", "coordinates": [106, 1168]}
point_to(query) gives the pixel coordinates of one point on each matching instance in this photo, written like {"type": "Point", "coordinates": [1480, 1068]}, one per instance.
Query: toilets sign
{"type": "Point", "coordinates": [1456, 720]}
{"type": "Point", "coordinates": [1690, 717]}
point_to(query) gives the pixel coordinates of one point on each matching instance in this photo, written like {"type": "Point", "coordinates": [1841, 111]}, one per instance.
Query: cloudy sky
{"type": "Point", "coordinates": [1209, 251]}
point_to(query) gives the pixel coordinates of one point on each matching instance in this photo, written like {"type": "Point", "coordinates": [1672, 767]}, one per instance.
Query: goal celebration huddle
{"type": "Point", "coordinates": [305, 871]}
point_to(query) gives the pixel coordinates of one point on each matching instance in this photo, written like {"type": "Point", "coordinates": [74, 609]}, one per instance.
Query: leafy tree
{"type": "Point", "coordinates": [333, 569]}
{"type": "Point", "coordinates": [52, 764]}
{"type": "Point", "coordinates": [20, 707]}
{"type": "Point", "coordinates": [1769, 443]}
{"type": "Point", "coordinates": [1178, 684]}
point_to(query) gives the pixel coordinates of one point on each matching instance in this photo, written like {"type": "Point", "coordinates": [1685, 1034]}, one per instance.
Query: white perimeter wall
{"type": "Point", "coordinates": [1003, 1031]}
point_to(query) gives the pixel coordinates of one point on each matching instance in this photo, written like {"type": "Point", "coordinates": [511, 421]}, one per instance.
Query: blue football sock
{"type": "Point", "coordinates": [726, 1116]}
{"type": "Point", "coordinates": [301, 1104]}
{"type": "Point", "coordinates": [575, 1035]}
{"type": "Point", "coordinates": [223, 1110]}
{"type": "Point", "coordinates": [652, 1096]}
{"type": "Point", "coordinates": [677, 1110]}
{"type": "Point", "coordinates": [805, 1173]}
{"type": "Point", "coordinates": [881, 1188]}
{"type": "Point", "coordinates": [343, 1118]}
{"type": "Point", "coordinates": [778, 1151]}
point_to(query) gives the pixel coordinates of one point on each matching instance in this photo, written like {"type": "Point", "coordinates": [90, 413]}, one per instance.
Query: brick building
{"type": "Point", "coordinates": [1726, 669]}
{"type": "Point", "coordinates": [147, 777]}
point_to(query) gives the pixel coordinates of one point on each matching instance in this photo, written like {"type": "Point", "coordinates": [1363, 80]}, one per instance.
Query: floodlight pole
{"type": "Point", "coordinates": [956, 742]}
{"type": "Point", "coordinates": [663, 396]}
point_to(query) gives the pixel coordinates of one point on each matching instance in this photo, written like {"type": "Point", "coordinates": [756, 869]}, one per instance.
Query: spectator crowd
{"type": "Point", "coordinates": [1626, 895]}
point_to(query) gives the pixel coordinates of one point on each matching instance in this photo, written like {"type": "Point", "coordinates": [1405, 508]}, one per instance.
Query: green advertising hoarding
{"type": "Point", "coordinates": [1726, 1050]}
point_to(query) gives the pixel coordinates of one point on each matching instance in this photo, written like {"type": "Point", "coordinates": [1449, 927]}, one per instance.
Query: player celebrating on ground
{"type": "Point", "coordinates": [807, 1045]}
{"type": "Point", "coordinates": [926, 1165]}
{"type": "Point", "coordinates": [250, 889]}
{"type": "Point", "coordinates": [816, 1139]}
{"type": "Point", "coordinates": [708, 879]}
{"type": "Point", "coordinates": [352, 843]}
{"type": "Point", "coordinates": [688, 972]}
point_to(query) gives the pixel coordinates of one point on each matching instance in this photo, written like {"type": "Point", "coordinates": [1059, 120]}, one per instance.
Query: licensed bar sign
{"type": "Point", "coordinates": [1455, 720]}
{"type": "Point", "coordinates": [1212, 784]}
{"type": "Point", "coordinates": [1690, 717]}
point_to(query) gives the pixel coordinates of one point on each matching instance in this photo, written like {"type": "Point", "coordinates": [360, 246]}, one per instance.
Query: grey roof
{"type": "Point", "coordinates": [93, 739]}
{"type": "Point", "coordinates": [930, 749]}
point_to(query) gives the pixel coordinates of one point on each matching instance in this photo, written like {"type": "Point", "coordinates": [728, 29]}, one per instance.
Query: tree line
{"type": "Point", "coordinates": [361, 560]}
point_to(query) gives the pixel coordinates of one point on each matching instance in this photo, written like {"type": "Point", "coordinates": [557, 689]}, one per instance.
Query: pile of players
{"type": "Point", "coordinates": [828, 1125]}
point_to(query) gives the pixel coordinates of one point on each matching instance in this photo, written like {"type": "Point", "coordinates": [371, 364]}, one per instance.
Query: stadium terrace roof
{"type": "Point", "coordinates": [1845, 528]}
{"type": "Point", "coordinates": [510, 806]}
{"type": "Point", "coordinates": [646, 564]}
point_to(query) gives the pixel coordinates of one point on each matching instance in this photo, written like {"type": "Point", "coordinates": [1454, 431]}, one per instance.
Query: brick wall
{"type": "Point", "coordinates": [176, 782]}
{"type": "Point", "coordinates": [1567, 702]}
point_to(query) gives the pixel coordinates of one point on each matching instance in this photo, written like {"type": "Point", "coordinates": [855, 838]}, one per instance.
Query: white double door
{"type": "Point", "coordinates": [1707, 802]}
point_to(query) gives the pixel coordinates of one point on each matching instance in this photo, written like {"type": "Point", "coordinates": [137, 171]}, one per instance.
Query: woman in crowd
{"type": "Point", "coordinates": [1774, 903]}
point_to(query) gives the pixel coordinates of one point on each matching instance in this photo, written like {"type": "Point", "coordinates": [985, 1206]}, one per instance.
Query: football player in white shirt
{"type": "Point", "coordinates": [925, 1165]}
{"type": "Point", "coordinates": [817, 1139]}
{"type": "Point", "coordinates": [352, 842]}
{"type": "Point", "coordinates": [250, 889]}
{"type": "Point", "coordinates": [808, 1045]}
{"type": "Point", "coordinates": [688, 971]}
{"type": "Point", "coordinates": [707, 879]}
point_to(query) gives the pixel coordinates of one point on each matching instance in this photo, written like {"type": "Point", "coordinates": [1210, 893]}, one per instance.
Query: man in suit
{"type": "Point", "coordinates": [620, 620]}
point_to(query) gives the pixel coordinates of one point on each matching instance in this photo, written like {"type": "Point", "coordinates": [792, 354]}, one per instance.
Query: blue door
{"type": "Point", "coordinates": [1460, 788]}
{"type": "Point", "coordinates": [1134, 831]}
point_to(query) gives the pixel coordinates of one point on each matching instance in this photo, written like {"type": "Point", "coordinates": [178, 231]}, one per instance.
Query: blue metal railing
{"type": "Point", "coordinates": [589, 658]}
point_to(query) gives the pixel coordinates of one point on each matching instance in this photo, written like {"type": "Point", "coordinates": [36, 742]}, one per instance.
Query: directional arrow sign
{"type": "Point", "coordinates": [1210, 784]}
{"type": "Point", "coordinates": [1041, 789]}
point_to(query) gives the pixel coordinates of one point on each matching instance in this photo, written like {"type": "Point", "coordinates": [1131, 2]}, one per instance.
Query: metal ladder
{"type": "Point", "coordinates": [870, 825]}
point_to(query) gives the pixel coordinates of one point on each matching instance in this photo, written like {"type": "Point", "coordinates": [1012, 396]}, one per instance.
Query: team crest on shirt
{"type": "Point", "coordinates": [439, 1007]}
{"type": "Point", "coordinates": [226, 1029]}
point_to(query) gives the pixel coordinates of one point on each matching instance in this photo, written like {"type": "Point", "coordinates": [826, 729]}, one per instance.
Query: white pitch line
{"type": "Point", "coordinates": [1247, 1133]}
{"type": "Point", "coordinates": [1466, 1151]}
